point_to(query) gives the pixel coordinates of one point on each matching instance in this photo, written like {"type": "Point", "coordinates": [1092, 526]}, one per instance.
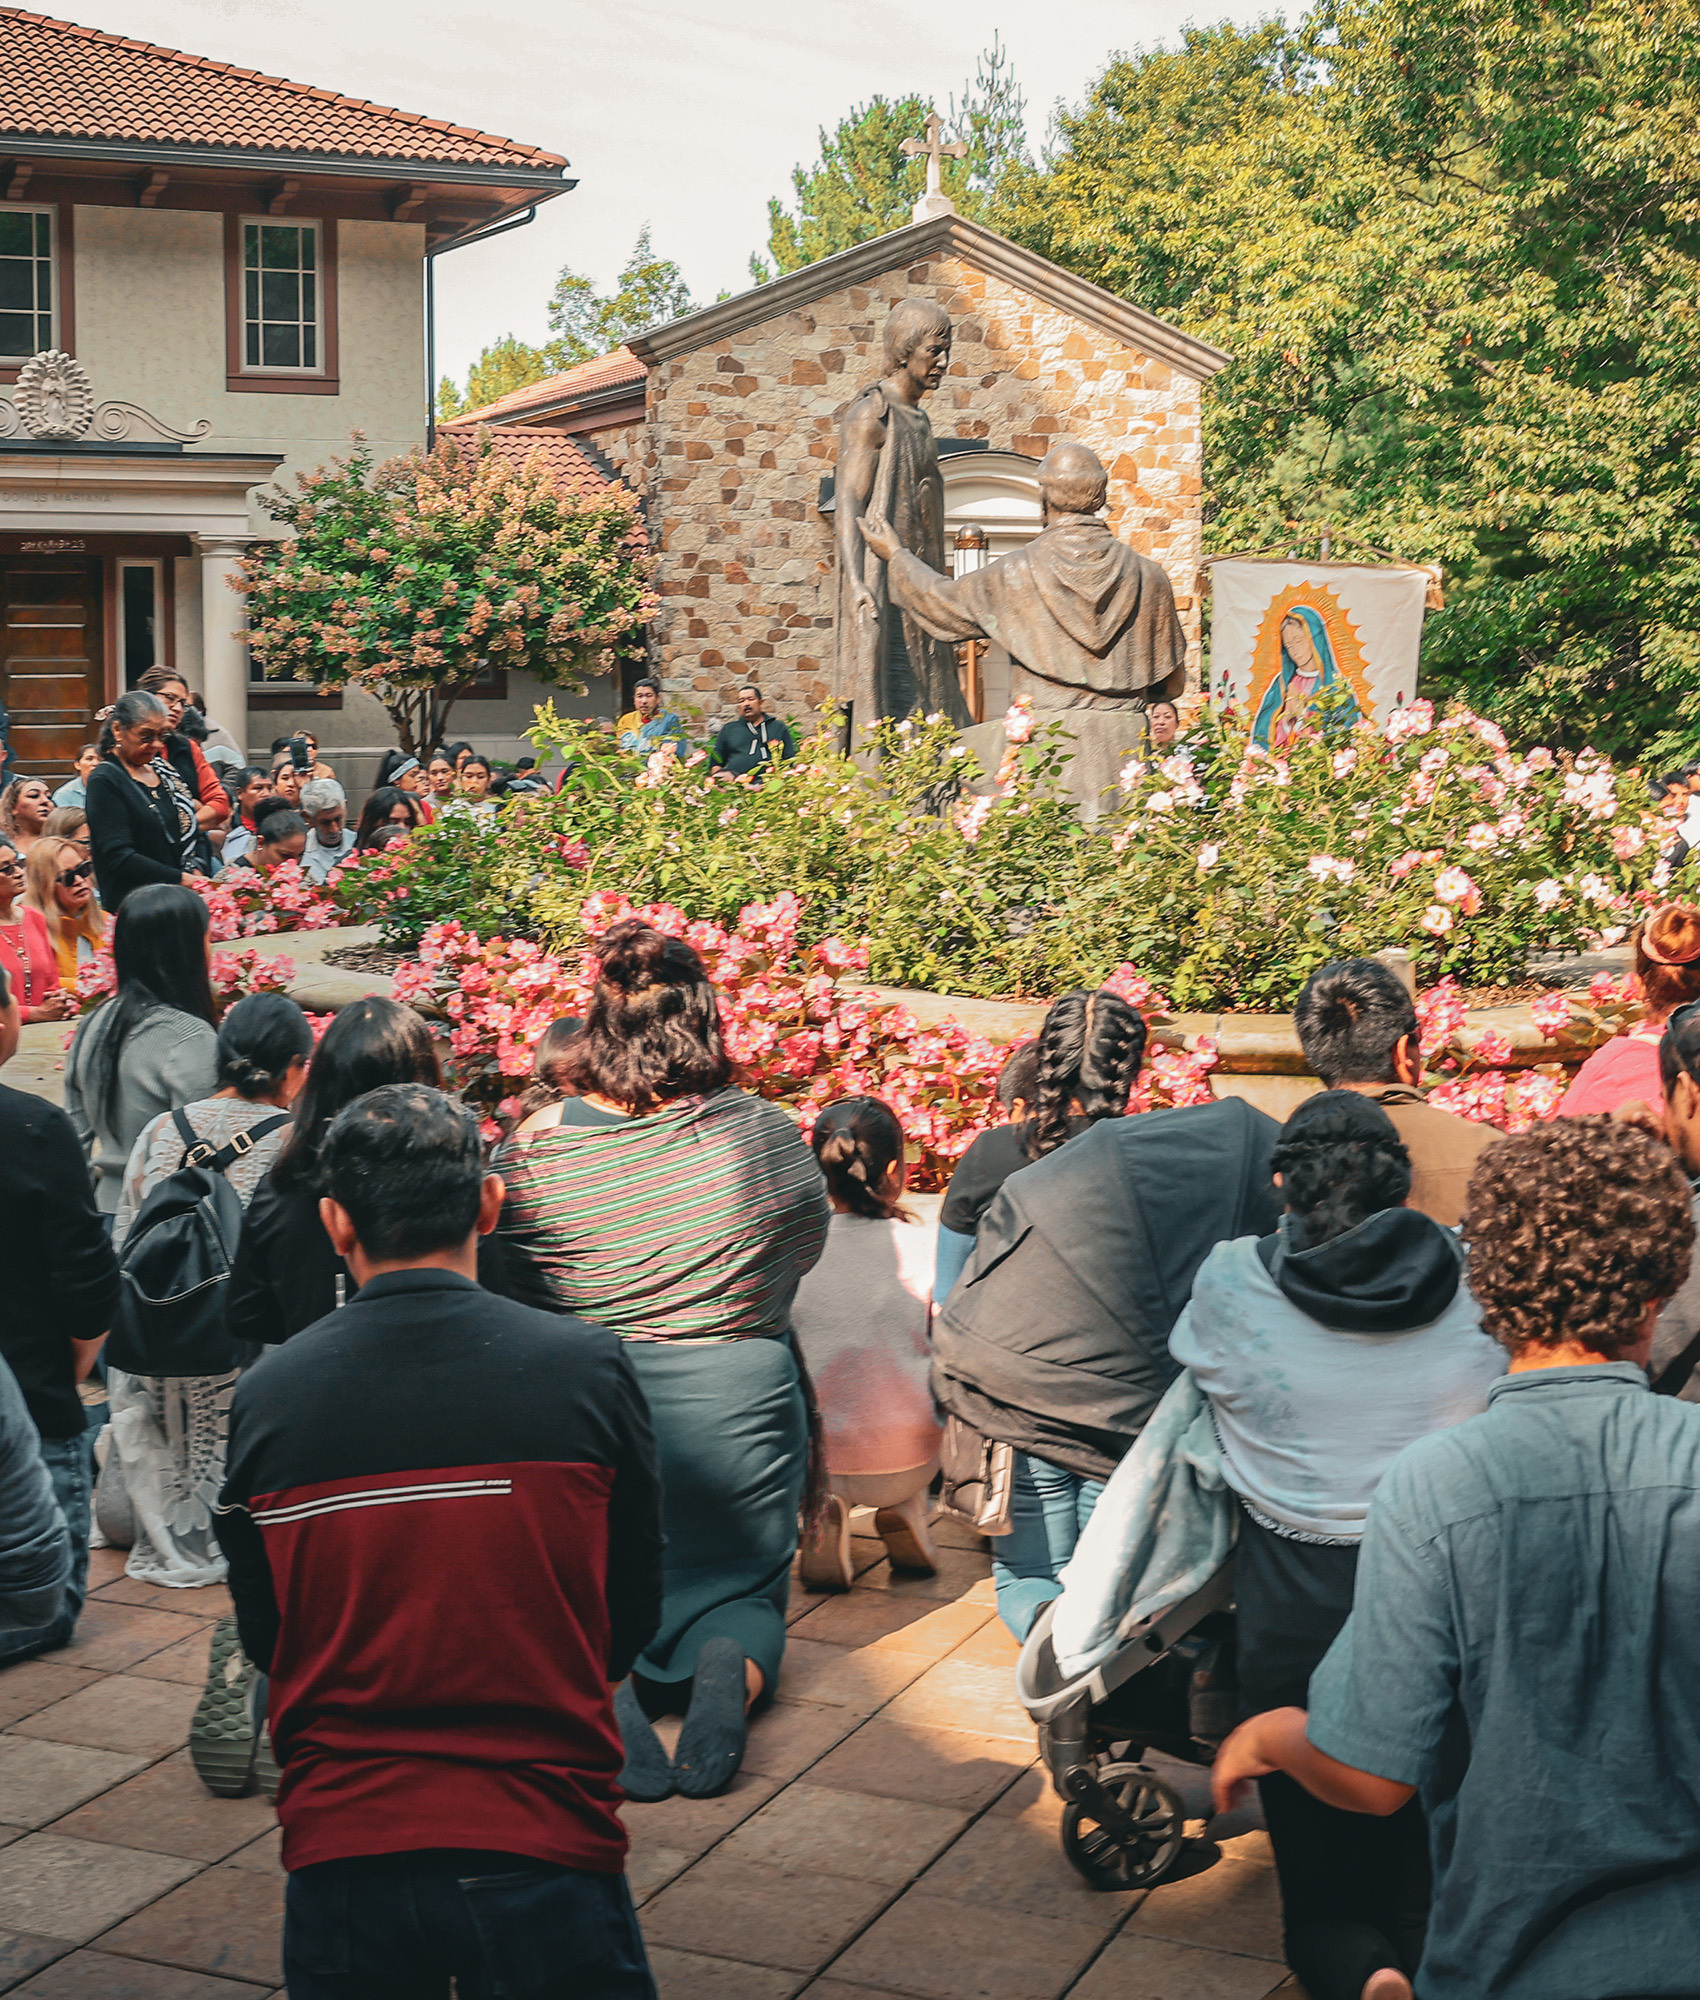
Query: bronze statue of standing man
{"type": "Point", "coordinates": [885, 661]}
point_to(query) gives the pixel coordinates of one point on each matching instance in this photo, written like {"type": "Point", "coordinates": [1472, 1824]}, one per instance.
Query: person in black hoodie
{"type": "Point", "coordinates": [287, 1275]}
{"type": "Point", "coordinates": [1324, 1349]}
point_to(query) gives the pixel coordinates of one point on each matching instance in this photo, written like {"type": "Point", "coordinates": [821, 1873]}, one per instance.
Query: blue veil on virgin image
{"type": "Point", "coordinates": [1307, 670]}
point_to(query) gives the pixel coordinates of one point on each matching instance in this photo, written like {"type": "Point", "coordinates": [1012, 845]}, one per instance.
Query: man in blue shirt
{"type": "Point", "coordinates": [1524, 1644]}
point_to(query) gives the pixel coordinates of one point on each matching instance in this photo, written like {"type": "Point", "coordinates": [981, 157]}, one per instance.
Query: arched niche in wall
{"type": "Point", "coordinates": [998, 493]}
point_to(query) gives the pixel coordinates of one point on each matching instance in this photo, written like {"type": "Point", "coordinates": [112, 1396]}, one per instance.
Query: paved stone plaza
{"type": "Point", "coordinates": [889, 1833]}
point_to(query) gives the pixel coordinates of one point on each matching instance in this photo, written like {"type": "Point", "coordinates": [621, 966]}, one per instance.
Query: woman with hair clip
{"type": "Point", "coordinates": [286, 1275]}
{"type": "Point", "coordinates": [1323, 1351]}
{"type": "Point", "coordinates": [154, 1044]}
{"type": "Point", "coordinates": [1667, 971]}
{"type": "Point", "coordinates": [862, 1317]}
{"type": "Point", "coordinates": [1053, 1089]}
{"type": "Point", "coordinates": [169, 1430]}
{"type": "Point", "coordinates": [682, 1212]}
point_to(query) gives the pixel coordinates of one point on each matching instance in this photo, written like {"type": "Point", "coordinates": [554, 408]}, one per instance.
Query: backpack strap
{"type": "Point", "coordinates": [200, 1154]}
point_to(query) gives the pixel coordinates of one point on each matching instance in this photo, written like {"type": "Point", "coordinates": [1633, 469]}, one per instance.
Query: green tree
{"type": "Point", "coordinates": [504, 366]}
{"type": "Point", "coordinates": [413, 578]}
{"type": "Point", "coordinates": [863, 186]}
{"type": "Point", "coordinates": [585, 323]}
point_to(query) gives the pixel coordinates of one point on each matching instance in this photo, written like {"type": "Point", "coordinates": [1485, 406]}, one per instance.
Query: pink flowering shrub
{"type": "Point", "coordinates": [234, 974]}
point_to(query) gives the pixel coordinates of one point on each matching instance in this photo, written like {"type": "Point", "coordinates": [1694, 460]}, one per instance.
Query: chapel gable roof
{"type": "Point", "coordinates": [62, 82]}
{"type": "Point", "coordinates": [952, 235]}
{"type": "Point", "coordinates": [591, 379]}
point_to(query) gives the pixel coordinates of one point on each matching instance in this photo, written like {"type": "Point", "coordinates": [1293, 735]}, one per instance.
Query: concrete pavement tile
{"type": "Point", "coordinates": [959, 1695]}
{"type": "Point", "coordinates": [20, 1956]}
{"type": "Point", "coordinates": [264, 1856]}
{"type": "Point", "coordinates": [650, 1867]}
{"type": "Point", "coordinates": [1234, 1906]}
{"type": "Point", "coordinates": [1031, 1796]}
{"type": "Point", "coordinates": [34, 1684]}
{"type": "Point", "coordinates": [841, 1677]}
{"type": "Point", "coordinates": [993, 1645]}
{"type": "Point", "coordinates": [167, 1810]}
{"type": "Point", "coordinates": [1018, 1864]}
{"type": "Point", "coordinates": [94, 1975]}
{"type": "Point", "coordinates": [946, 1950]}
{"type": "Point", "coordinates": [694, 1825]}
{"type": "Point", "coordinates": [208, 1600]}
{"type": "Point", "coordinates": [941, 1767]}
{"type": "Point", "coordinates": [960, 1575]}
{"type": "Point", "coordinates": [113, 1637]}
{"type": "Point", "coordinates": [1253, 1846]}
{"type": "Point", "coordinates": [186, 1662]}
{"type": "Point", "coordinates": [10, 1833]}
{"type": "Point", "coordinates": [1158, 1970]}
{"type": "Point", "coordinates": [681, 1975]}
{"type": "Point", "coordinates": [820, 1831]}
{"type": "Point", "coordinates": [75, 1889]}
{"type": "Point", "coordinates": [123, 1713]}
{"type": "Point", "coordinates": [892, 1624]}
{"type": "Point", "coordinates": [228, 1921]}
{"type": "Point", "coordinates": [839, 1989]}
{"type": "Point", "coordinates": [950, 1533]}
{"type": "Point", "coordinates": [788, 1737]}
{"type": "Point", "coordinates": [769, 1916]}
{"type": "Point", "coordinates": [42, 1781]}
{"type": "Point", "coordinates": [106, 1566]}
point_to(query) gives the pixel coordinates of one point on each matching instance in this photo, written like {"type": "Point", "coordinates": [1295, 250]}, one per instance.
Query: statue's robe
{"type": "Point", "coordinates": [890, 664]}
{"type": "Point", "coordinates": [1090, 627]}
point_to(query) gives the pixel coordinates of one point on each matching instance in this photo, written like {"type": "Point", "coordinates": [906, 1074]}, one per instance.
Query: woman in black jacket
{"type": "Point", "coordinates": [286, 1275]}
{"type": "Point", "coordinates": [142, 822]}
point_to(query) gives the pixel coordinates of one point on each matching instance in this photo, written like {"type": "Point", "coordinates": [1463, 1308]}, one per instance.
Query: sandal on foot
{"type": "Point", "coordinates": [646, 1775]}
{"type": "Point", "coordinates": [711, 1744]}
{"type": "Point", "coordinates": [826, 1561]}
{"type": "Point", "coordinates": [223, 1734]}
{"type": "Point", "coordinates": [904, 1532]}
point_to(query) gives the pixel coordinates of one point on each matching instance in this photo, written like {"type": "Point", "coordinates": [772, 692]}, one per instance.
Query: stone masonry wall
{"type": "Point", "coordinates": [741, 432]}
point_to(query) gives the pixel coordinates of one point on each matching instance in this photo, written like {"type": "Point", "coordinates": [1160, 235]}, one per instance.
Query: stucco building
{"type": "Point", "coordinates": [725, 422]}
{"type": "Point", "coordinates": [238, 265]}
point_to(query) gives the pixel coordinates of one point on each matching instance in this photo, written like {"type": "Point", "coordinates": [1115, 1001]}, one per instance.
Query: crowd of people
{"type": "Point", "coordinates": [507, 1454]}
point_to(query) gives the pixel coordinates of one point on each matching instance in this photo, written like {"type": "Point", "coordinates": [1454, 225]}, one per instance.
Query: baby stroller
{"type": "Point", "coordinates": [1169, 1686]}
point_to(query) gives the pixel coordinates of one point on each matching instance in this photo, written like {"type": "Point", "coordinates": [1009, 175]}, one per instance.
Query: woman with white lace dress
{"type": "Point", "coordinates": [169, 1430]}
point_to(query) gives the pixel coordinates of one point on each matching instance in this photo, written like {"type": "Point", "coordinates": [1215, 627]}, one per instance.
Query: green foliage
{"type": "Point", "coordinates": [414, 577]}
{"type": "Point", "coordinates": [503, 367]}
{"type": "Point", "coordinates": [585, 324]}
{"type": "Point", "coordinates": [1227, 892]}
{"type": "Point", "coordinates": [1453, 249]}
{"type": "Point", "coordinates": [862, 186]}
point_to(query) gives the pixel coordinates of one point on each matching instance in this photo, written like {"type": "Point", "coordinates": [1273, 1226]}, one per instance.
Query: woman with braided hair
{"type": "Point", "coordinates": [1081, 1068]}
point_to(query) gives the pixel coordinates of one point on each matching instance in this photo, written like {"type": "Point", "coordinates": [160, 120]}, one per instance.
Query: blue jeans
{"type": "Point", "coordinates": [1048, 1508]}
{"type": "Point", "coordinates": [502, 1926]}
{"type": "Point", "coordinates": [70, 1465]}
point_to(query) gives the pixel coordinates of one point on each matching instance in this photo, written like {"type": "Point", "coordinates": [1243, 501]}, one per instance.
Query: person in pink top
{"type": "Point", "coordinates": [1626, 1069]}
{"type": "Point", "coordinates": [862, 1318]}
{"type": "Point", "coordinates": [26, 950]}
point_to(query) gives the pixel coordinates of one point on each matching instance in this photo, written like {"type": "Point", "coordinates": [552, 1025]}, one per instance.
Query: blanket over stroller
{"type": "Point", "coordinates": [1163, 1527]}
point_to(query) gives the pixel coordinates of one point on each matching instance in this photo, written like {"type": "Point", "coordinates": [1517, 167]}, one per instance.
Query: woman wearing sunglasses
{"type": "Point", "coordinates": [60, 879]}
{"type": "Point", "coordinates": [26, 951]}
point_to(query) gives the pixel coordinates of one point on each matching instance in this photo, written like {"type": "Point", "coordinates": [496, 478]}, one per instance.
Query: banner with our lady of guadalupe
{"type": "Point", "coordinates": [1284, 633]}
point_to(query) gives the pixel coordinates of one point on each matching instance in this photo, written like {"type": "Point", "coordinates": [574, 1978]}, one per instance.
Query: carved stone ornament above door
{"type": "Point", "coordinates": [53, 403]}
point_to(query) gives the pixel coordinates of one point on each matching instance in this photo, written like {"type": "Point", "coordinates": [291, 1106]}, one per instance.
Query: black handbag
{"type": "Point", "coordinates": [175, 1266]}
{"type": "Point", "coordinates": [978, 1475]}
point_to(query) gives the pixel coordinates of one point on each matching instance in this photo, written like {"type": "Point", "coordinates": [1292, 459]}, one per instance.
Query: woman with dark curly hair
{"type": "Point", "coordinates": [679, 1211]}
{"type": "Point", "coordinates": [1524, 1642]}
{"type": "Point", "coordinates": [1323, 1351]}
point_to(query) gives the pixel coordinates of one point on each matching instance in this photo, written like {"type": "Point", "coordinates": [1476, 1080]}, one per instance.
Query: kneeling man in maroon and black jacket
{"type": "Point", "coordinates": [442, 1516]}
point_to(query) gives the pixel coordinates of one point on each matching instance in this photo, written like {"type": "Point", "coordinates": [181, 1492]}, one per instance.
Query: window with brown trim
{"type": "Point", "coordinates": [35, 283]}
{"type": "Point", "coordinates": [280, 305]}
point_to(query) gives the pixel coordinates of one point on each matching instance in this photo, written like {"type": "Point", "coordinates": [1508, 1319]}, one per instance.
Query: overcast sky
{"type": "Point", "coordinates": [687, 114]}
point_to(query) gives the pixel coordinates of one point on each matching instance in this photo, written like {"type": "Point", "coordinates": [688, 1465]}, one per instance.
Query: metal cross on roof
{"type": "Point", "coordinates": [934, 149]}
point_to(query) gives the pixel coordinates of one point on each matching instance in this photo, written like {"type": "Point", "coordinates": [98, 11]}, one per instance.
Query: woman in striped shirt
{"type": "Point", "coordinates": [681, 1212]}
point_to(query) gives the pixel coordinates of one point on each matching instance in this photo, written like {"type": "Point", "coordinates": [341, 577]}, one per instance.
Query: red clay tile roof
{"type": "Point", "coordinates": [61, 81]}
{"type": "Point", "coordinates": [572, 467]}
{"type": "Point", "coordinates": [605, 371]}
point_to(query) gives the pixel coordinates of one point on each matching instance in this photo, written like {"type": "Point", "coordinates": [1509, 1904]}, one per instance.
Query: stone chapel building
{"type": "Point", "coordinates": [724, 422]}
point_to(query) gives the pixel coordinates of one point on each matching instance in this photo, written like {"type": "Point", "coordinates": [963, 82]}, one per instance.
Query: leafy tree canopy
{"type": "Point", "coordinates": [1452, 246]}
{"type": "Point", "coordinates": [862, 186]}
{"type": "Point", "coordinates": [583, 323]}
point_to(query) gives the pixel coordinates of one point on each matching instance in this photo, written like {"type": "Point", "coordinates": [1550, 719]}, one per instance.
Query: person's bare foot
{"type": "Point", "coordinates": [1387, 1984]}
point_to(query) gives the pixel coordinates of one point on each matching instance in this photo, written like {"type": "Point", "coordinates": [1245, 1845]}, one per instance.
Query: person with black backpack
{"type": "Point", "coordinates": [171, 1362]}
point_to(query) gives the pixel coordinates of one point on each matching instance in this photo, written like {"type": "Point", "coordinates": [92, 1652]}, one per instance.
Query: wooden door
{"type": "Point", "coordinates": [51, 670]}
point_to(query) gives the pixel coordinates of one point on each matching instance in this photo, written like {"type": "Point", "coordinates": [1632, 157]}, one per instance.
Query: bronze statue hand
{"type": "Point", "coordinates": [878, 536]}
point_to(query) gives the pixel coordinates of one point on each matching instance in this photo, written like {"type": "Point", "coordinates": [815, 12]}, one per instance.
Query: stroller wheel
{"type": "Point", "coordinates": [1129, 1833]}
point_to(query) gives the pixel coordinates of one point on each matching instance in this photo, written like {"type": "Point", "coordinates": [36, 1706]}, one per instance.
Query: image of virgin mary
{"type": "Point", "coordinates": [1307, 668]}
